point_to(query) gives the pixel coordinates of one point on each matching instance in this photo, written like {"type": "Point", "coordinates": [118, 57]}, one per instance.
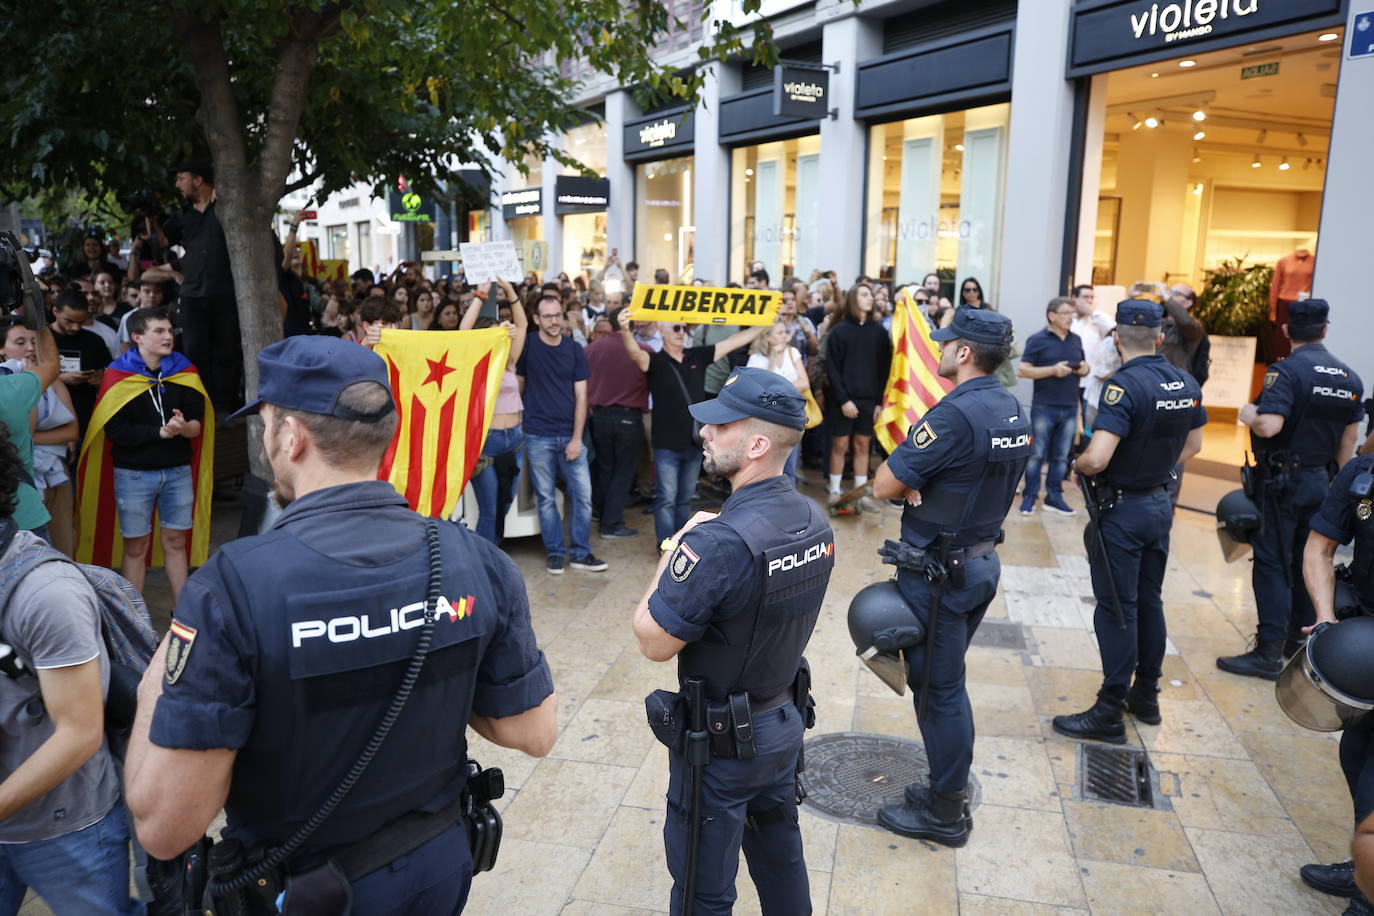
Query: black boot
{"type": "Point", "coordinates": [1292, 646]}
{"type": "Point", "coordinates": [1264, 660]}
{"type": "Point", "coordinates": [941, 817]}
{"type": "Point", "coordinates": [1359, 906]}
{"type": "Point", "coordinates": [1338, 879]}
{"type": "Point", "coordinates": [1101, 723]}
{"type": "Point", "coordinates": [1142, 701]}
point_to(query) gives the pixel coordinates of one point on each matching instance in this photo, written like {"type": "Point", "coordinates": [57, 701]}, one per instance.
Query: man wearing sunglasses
{"type": "Point", "coordinates": [677, 379]}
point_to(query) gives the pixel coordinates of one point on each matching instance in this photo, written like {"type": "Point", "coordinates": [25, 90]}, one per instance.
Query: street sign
{"type": "Point", "coordinates": [1362, 35]}
{"type": "Point", "coordinates": [409, 207]}
{"type": "Point", "coordinates": [1269, 69]}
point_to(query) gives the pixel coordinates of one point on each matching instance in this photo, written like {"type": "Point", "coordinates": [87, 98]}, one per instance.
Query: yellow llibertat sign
{"type": "Point", "coordinates": [704, 305]}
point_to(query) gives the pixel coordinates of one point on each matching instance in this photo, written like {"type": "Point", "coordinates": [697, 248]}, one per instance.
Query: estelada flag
{"type": "Point", "coordinates": [98, 540]}
{"type": "Point", "coordinates": [914, 384]}
{"type": "Point", "coordinates": [445, 384]}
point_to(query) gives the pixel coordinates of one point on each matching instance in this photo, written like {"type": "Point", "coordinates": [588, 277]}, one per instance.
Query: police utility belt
{"type": "Point", "coordinates": [729, 721]}
{"type": "Point", "coordinates": [926, 561]}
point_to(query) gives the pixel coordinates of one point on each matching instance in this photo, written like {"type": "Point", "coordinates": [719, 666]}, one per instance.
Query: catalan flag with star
{"type": "Point", "coordinates": [914, 384]}
{"type": "Point", "coordinates": [445, 385]}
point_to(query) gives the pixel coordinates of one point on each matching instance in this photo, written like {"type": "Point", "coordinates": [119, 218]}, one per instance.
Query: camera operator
{"type": "Point", "coordinates": [63, 829]}
{"type": "Point", "coordinates": [208, 313]}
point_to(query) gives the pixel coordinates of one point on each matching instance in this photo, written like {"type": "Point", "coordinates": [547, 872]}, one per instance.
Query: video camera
{"type": "Point", "coordinates": [18, 288]}
{"type": "Point", "coordinates": [144, 202]}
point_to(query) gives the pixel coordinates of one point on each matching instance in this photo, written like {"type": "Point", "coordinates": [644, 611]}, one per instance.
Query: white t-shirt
{"type": "Point", "coordinates": [788, 370]}
{"type": "Point", "coordinates": [107, 334]}
{"type": "Point", "coordinates": [1091, 331]}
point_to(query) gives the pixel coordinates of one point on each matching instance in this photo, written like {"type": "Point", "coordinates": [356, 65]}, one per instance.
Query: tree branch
{"type": "Point", "coordinates": [296, 58]}
{"type": "Point", "coordinates": [305, 182]}
{"type": "Point", "coordinates": [219, 109]}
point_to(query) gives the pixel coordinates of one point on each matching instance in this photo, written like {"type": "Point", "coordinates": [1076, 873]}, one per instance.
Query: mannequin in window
{"type": "Point", "coordinates": [1292, 281]}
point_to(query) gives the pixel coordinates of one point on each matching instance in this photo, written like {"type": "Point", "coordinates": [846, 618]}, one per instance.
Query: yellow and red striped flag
{"type": "Point", "coordinates": [445, 384]}
{"type": "Point", "coordinates": [914, 384]}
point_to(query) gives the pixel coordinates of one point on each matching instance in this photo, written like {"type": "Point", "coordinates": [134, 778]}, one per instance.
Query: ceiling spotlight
{"type": "Point", "coordinates": [959, 147]}
{"type": "Point", "coordinates": [1199, 135]}
{"type": "Point", "coordinates": [1308, 164]}
{"type": "Point", "coordinates": [1256, 163]}
{"type": "Point", "coordinates": [1154, 76]}
{"type": "Point", "coordinates": [751, 171]}
{"type": "Point", "coordinates": [1197, 188]}
{"type": "Point", "coordinates": [1283, 165]}
{"type": "Point", "coordinates": [1135, 120]}
{"type": "Point", "coordinates": [1327, 36]}
{"type": "Point", "coordinates": [1187, 63]}
{"type": "Point", "coordinates": [1263, 135]}
{"type": "Point", "coordinates": [1197, 156]}
{"type": "Point", "coordinates": [1302, 141]}
{"type": "Point", "coordinates": [1199, 115]}
{"type": "Point", "coordinates": [1151, 122]}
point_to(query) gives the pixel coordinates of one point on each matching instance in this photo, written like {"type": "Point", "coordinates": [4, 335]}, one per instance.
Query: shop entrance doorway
{"type": "Point", "coordinates": [1211, 169]}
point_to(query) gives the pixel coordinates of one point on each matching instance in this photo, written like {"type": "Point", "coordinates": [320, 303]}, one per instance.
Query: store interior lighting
{"type": "Point", "coordinates": [1283, 165]}
{"type": "Point", "coordinates": [1302, 141]}
{"type": "Point", "coordinates": [1199, 135]}
{"type": "Point", "coordinates": [1256, 163]}
{"type": "Point", "coordinates": [1185, 64]}
{"type": "Point", "coordinates": [1197, 188]}
{"type": "Point", "coordinates": [959, 147]}
{"type": "Point", "coordinates": [1327, 36]}
{"type": "Point", "coordinates": [1263, 136]}
{"type": "Point", "coordinates": [1135, 120]}
{"type": "Point", "coordinates": [1197, 156]}
{"type": "Point", "coordinates": [1200, 115]}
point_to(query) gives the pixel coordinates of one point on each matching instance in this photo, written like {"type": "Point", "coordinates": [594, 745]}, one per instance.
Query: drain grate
{"type": "Point", "coordinates": [1120, 775]}
{"type": "Point", "coordinates": [849, 776]}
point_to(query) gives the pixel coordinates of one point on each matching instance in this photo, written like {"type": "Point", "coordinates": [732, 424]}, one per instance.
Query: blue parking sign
{"type": "Point", "coordinates": [1362, 35]}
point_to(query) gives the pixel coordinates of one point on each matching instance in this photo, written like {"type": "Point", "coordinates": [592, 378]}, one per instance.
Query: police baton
{"type": "Point", "coordinates": [697, 753]}
{"type": "Point", "coordinates": [937, 574]}
{"type": "Point", "coordinates": [1094, 541]}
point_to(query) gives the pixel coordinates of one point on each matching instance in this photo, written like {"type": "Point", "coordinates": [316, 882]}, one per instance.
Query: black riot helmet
{"type": "Point", "coordinates": [882, 625]}
{"type": "Point", "coordinates": [1238, 520]}
{"type": "Point", "coordinates": [1329, 685]}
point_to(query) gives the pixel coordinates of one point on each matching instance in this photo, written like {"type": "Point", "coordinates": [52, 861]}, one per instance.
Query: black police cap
{"type": "Point", "coordinates": [757, 393]}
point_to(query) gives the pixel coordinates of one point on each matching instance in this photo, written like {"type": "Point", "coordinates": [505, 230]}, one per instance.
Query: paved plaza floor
{"type": "Point", "coordinates": [1246, 796]}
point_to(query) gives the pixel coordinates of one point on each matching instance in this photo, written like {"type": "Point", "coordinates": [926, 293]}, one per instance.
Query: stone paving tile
{"type": "Point", "coordinates": [880, 874]}
{"type": "Point", "coordinates": [530, 878]}
{"type": "Point", "coordinates": [632, 677]}
{"type": "Point", "coordinates": [977, 905]}
{"type": "Point", "coordinates": [1128, 836]}
{"type": "Point", "coordinates": [1220, 794]}
{"type": "Point", "coordinates": [1064, 647]}
{"type": "Point", "coordinates": [1132, 891]}
{"type": "Point", "coordinates": [588, 908]}
{"type": "Point", "coordinates": [1247, 704]}
{"type": "Point", "coordinates": [568, 799]}
{"type": "Point", "coordinates": [1002, 711]}
{"type": "Point", "coordinates": [627, 868]}
{"type": "Point", "coordinates": [606, 731]}
{"type": "Point", "coordinates": [1015, 773]}
{"type": "Point", "coordinates": [1192, 727]}
{"type": "Point", "coordinates": [1258, 874]}
{"type": "Point", "coordinates": [1021, 854]}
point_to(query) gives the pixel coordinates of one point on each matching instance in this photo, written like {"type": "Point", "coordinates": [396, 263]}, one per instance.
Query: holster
{"type": "Point", "coordinates": [667, 714]}
{"type": "Point", "coordinates": [320, 891]}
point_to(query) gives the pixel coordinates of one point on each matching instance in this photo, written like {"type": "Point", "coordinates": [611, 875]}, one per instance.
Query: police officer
{"type": "Point", "coordinates": [957, 473]}
{"type": "Point", "coordinates": [1303, 425]}
{"type": "Point", "coordinates": [1150, 419]}
{"type": "Point", "coordinates": [735, 600]}
{"type": "Point", "coordinates": [287, 649]}
{"type": "Point", "coordinates": [1345, 515]}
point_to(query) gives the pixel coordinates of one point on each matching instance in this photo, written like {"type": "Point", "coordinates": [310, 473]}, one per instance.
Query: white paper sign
{"type": "Point", "coordinates": [69, 362]}
{"type": "Point", "coordinates": [1231, 373]}
{"type": "Point", "coordinates": [484, 262]}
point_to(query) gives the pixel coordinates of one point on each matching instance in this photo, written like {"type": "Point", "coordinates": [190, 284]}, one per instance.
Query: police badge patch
{"type": "Point", "coordinates": [1363, 509]}
{"type": "Point", "coordinates": [1113, 395]}
{"type": "Point", "coordinates": [181, 638]}
{"type": "Point", "coordinates": [923, 436]}
{"type": "Point", "coordinates": [1270, 378]}
{"type": "Point", "coordinates": [683, 562]}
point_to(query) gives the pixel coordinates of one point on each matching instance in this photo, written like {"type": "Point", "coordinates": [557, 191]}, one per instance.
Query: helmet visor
{"type": "Point", "coordinates": [1231, 549]}
{"type": "Point", "coordinates": [1309, 701]}
{"type": "Point", "coordinates": [889, 667]}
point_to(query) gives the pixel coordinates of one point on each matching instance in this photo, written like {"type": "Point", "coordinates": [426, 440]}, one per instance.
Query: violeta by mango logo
{"type": "Point", "coordinates": [347, 628]}
{"type": "Point", "coordinates": [1189, 18]}
{"type": "Point", "coordinates": [810, 554]}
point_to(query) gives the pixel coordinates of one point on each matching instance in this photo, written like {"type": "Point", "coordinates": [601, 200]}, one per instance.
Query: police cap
{"type": "Point", "coordinates": [1308, 312]}
{"type": "Point", "coordinates": [1139, 313]}
{"type": "Point", "coordinates": [977, 325]}
{"type": "Point", "coordinates": [755, 393]}
{"type": "Point", "coordinates": [309, 373]}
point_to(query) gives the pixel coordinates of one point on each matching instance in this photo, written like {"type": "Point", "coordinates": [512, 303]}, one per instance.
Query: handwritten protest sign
{"type": "Point", "coordinates": [484, 262]}
{"type": "Point", "coordinates": [705, 304]}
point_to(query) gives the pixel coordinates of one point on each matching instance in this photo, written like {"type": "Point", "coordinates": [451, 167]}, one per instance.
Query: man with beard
{"type": "Point", "coordinates": [734, 600]}
{"type": "Point", "coordinates": [957, 473]}
{"type": "Point", "coordinates": [286, 651]}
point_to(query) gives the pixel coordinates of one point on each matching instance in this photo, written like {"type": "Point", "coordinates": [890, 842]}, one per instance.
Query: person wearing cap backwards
{"type": "Point", "coordinates": [1303, 427]}
{"type": "Point", "coordinates": [1150, 418]}
{"type": "Point", "coordinates": [957, 473]}
{"type": "Point", "coordinates": [286, 649]}
{"type": "Point", "coordinates": [734, 600]}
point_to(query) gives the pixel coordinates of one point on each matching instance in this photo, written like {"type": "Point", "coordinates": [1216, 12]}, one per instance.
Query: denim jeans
{"type": "Point", "coordinates": [618, 433]}
{"type": "Point", "coordinates": [86, 871]}
{"type": "Point", "coordinates": [545, 455]}
{"type": "Point", "coordinates": [1053, 428]}
{"type": "Point", "coordinates": [499, 442]}
{"type": "Point", "coordinates": [675, 480]}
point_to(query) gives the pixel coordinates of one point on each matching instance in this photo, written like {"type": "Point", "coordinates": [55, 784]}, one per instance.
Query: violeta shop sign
{"type": "Point", "coordinates": [704, 305]}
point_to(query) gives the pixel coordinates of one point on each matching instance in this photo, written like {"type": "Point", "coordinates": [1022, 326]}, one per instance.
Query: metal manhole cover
{"type": "Point", "coordinates": [849, 776]}
{"type": "Point", "coordinates": [1120, 775]}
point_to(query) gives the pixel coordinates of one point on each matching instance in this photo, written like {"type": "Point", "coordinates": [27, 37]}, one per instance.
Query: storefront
{"type": "Point", "coordinates": [937, 152]}
{"type": "Point", "coordinates": [775, 188]}
{"type": "Point", "coordinates": [660, 147]}
{"type": "Point", "coordinates": [581, 201]}
{"type": "Point", "coordinates": [1204, 155]}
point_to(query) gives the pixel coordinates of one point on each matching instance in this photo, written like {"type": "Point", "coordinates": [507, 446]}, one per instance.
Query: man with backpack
{"type": "Point", "coordinates": [63, 825]}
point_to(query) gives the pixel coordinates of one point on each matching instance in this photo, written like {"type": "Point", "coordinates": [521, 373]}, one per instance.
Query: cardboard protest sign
{"type": "Point", "coordinates": [487, 261]}
{"type": "Point", "coordinates": [705, 305]}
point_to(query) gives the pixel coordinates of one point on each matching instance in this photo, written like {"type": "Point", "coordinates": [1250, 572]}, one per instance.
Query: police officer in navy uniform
{"type": "Point", "coordinates": [957, 473]}
{"type": "Point", "coordinates": [1150, 419]}
{"type": "Point", "coordinates": [1303, 426]}
{"type": "Point", "coordinates": [735, 600]}
{"type": "Point", "coordinates": [1345, 515]}
{"type": "Point", "coordinates": [286, 650]}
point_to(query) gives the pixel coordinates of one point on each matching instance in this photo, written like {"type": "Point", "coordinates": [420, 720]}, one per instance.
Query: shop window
{"type": "Point", "coordinates": [935, 192]}
{"type": "Point", "coordinates": [364, 229]}
{"type": "Point", "coordinates": [664, 234]}
{"type": "Point", "coordinates": [337, 237]}
{"type": "Point", "coordinates": [776, 199]}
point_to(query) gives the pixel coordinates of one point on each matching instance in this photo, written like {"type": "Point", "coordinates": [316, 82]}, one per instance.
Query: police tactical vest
{"type": "Point", "coordinates": [328, 664]}
{"type": "Point", "coordinates": [759, 651]}
{"type": "Point", "coordinates": [1166, 401]}
{"type": "Point", "coordinates": [1362, 566]}
{"type": "Point", "coordinates": [999, 451]}
{"type": "Point", "coordinates": [1325, 392]}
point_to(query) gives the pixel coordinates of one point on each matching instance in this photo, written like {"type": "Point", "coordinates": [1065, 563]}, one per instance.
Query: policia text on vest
{"type": "Point", "coordinates": [705, 305]}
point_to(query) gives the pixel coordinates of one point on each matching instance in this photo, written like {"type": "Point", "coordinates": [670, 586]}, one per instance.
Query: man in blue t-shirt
{"type": "Point", "coordinates": [553, 380]}
{"type": "Point", "coordinates": [1053, 358]}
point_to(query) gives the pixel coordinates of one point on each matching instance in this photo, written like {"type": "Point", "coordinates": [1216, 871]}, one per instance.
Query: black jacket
{"type": "Point", "coordinates": [133, 431]}
{"type": "Point", "coordinates": [857, 358]}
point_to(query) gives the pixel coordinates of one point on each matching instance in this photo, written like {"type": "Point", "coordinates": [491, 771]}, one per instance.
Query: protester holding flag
{"type": "Point", "coordinates": [914, 383]}
{"type": "Point", "coordinates": [151, 412]}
